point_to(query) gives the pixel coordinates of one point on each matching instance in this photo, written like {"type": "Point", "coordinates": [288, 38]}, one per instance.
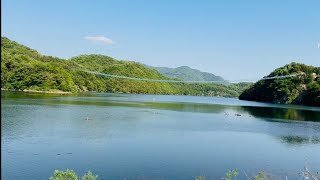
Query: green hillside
{"type": "Point", "coordinates": [25, 69]}
{"type": "Point", "coordinates": [303, 89]}
{"type": "Point", "coordinates": [188, 74]}
{"type": "Point", "coordinates": [108, 65]}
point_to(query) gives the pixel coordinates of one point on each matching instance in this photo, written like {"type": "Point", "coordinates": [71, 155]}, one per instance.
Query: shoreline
{"type": "Point", "coordinates": [37, 91]}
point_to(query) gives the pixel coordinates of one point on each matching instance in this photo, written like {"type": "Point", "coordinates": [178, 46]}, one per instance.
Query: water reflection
{"type": "Point", "coordinates": [284, 113]}
{"type": "Point", "coordinates": [128, 136]}
{"type": "Point", "coordinates": [300, 140]}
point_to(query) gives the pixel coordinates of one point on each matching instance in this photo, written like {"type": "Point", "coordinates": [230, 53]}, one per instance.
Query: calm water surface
{"type": "Point", "coordinates": [154, 137]}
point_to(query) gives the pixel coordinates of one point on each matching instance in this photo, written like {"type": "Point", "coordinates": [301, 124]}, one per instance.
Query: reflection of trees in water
{"type": "Point", "coordinates": [188, 107]}
{"type": "Point", "coordinates": [299, 140]}
{"type": "Point", "coordinates": [284, 113]}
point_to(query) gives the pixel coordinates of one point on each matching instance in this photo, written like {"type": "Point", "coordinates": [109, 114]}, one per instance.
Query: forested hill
{"type": "Point", "coordinates": [23, 68]}
{"type": "Point", "coordinates": [188, 74]}
{"type": "Point", "coordinates": [303, 89]}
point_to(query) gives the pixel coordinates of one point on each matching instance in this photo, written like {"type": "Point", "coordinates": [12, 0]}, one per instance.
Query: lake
{"type": "Point", "coordinates": [154, 136]}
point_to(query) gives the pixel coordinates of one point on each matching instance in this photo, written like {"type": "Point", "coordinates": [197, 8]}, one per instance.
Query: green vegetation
{"type": "Point", "coordinates": [199, 178]}
{"type": "Point", "coordinates": [188, 74]}
{"type": "Point", "coordinates": [303, 89]}
{"type": "Point", "coordinates": [89, 176]}
{"type": "Point", "coordinates": [25, 69]}
{"type": "Point", "coordinates": [71, 175]}
{"type": "Point", "coordinates": [260, 176]}
{"type": "Point", "coordinates": [64, 175]}
{"type": "Point", "coordinates": [230, 174]}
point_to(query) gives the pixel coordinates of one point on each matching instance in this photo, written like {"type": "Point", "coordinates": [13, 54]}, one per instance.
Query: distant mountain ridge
{"type": "Point", "coordinates": [188, 74]}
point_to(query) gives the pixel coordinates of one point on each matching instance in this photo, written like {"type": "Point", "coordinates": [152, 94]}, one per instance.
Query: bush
{"type": "Point", "coordinates": [71, 175]}
{"type": "Point", "coordinates": [89, 176]}
{"type": "Point", "coordinates": [64, 175]}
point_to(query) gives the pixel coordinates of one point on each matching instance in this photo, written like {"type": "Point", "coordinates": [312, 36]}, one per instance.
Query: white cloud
{"type": "Point", "coordinates": [99, 40]}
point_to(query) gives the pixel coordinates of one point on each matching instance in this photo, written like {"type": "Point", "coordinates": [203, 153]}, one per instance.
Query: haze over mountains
{"type": "Point", "coordinates": [188, 74]}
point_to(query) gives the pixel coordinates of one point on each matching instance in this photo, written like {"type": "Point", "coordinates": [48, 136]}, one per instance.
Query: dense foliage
{"type": "Point", "coordinates": [71, 175]}
{"type": "Point", "coordinates": [303, 89]}
{"type": "Point", "coordinates": [23, 68]}
{"type": "Point", "coordinates": [188, 74]}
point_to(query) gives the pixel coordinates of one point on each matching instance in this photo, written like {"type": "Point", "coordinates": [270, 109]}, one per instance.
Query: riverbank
{"type": "Point", "coordinates": [36, 91]}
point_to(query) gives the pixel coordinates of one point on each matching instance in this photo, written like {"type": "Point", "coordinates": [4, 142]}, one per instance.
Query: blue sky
{"type": "Point", "coordinates": [244, 39]}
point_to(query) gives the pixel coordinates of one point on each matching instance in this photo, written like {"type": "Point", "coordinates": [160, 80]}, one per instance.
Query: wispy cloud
{"type": "Point", "coordinates": [99, 40]}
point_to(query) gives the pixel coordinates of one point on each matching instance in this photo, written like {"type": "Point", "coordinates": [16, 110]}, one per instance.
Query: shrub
{"type": "Point", "coordinates": [71, 175]}
{"type": "Point", "coordinates": [64, 175]}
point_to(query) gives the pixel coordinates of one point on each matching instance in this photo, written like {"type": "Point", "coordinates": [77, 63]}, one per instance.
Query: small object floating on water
{"type": "Point", "coordinates": [58, 154]}
{"type": "Point", "coordinates": [237, 114]}
{"type": "Point", "coordinates": [87, 118]}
